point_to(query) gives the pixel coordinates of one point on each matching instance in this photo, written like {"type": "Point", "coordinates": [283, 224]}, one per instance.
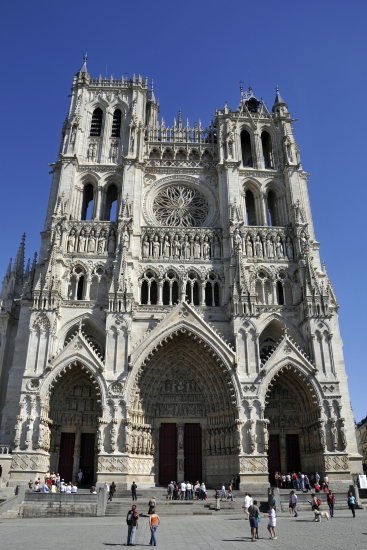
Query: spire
{"type": "Point", "coordinates": [278, 98]}
{"type": "Point", "coordinates": [8, 271]}
{"type": "Point", "coordinates": [152, 96]}
{"type": "Point", "coordinates": [180, 117]}
{"type": "Point", "coordinates": [18, 267]}
{"type": "Point", "coordinates": [84, 68]}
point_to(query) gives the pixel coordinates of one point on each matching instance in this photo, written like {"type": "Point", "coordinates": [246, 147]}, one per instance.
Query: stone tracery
{"type": "Point", "coordinates": [180, 206]}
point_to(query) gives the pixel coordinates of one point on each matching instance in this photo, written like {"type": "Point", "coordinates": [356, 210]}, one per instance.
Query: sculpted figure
{"type": "Point", "coordinates": [269, 247]}
{"type": "Point", "coordinates": [156, 247]}
{"type": "Point", "coordinates": [81, 242]}
{"type": "Point", "coordinates": [196, 248]}
{"type": "Point", "coordinates": [303, 242]}
{"type": "Point", "coordinates": [206, 249]}
{"type": "Point", "coordinates": [187, 248]}
{"type": "Point", "coordinates": [176, 248]}
{"type": "Point", "coordinates": [102, 242]}
{"type": "Point", "coordinates": [145, 247]}
{"type": "Point", "coordinates": [252, 435]}
{"type": "Point", "coordinates": [71, 241]}
{"type": "Point", "coordinates": [334, 434]}
{"type": "Point", "coordinates": [180, 437]}
{"type": "Point", "coordinates": [92, 242]}
{"type": "Point", "coordinates": [343, 434]}
{"type": "Point", "coordinates": [166, 247]}
{"type": "Point", "coordinates": [217, 254]}
{"type": "Point", "coordinates": [237, 241]}
{"type": "Point", "coordinates": [259, 247]}
{"type": "Point", "coordinates": [265, 435]}
{"type": "Point", "coordinates": [289, 248]}
{"type": "Point", "coordinates": [322, 436]}
{"type": "Point", "coordinates": [125, 237]}
{"type": "Point", "coordinates": [57, 238]}
{"type": "Point", "coordinates": [111, 246]}
{"type": "Point", "coordinates": [249, 250]}
{"type": "Point", "coordinates": [17, 434]}
{"type": "Point", "coordinates": [278, 248]}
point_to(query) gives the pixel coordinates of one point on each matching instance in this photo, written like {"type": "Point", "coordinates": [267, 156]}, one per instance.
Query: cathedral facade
{"type": "Point", "coordinates": [178, 323]}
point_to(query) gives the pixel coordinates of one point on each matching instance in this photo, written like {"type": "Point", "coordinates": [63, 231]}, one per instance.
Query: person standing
{"type": "Point", "coordinates": [188, 491]}
{"type": "Point", "coordinates": [202, 491]}
{"type": "Point", "coordinates": [273, 501]}
{"type": "Point", "coordinates": [294, 499]}
{"type": "Point", "coordinates": [246, 504]}
{"type": "Point", "coordinates": [331, 502]}
{"type": "Point", "coordinates": [152, 505]}
{"type": "Point", "coordinates": [106, 487]}
{"type": "Point", "coordinates": [132, 520]}
{"type": "Point", "coordinates": [316, 503]}
{"type": "Point", "coordinates": [154, 521]}
{"type": "Point", "coordinates": [133, 491]}
{"type": "Point", "coordinates": [112, 491]}
{"type": "Point", "coordinates": [223, 493]}
{"type": "Point", "coordinates": [182, 490]}
{"type": "Point", "coordinates": [276, 477]}
{"type": "Point", "coordinates": [170, 490]}
{"type": "Point", "coordinates": [254, 513]}
{"type": "Point", "coordinates": [80, 477]}
{"type": "Point", "coordinates": [272, 522]}
{"type": "Point", "coordinates": [352, 503]}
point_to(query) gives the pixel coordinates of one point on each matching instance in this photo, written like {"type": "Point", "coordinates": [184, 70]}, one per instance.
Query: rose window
{"type": "Point", "coordinates": [180, 206]}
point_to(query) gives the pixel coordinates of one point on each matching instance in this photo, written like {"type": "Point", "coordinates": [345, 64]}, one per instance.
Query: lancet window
{"type": "Point", "coordinates": [267, 146]}
{"type": "Point", "coordinates": [110, 213]}
{"type": "Point", "coordinates": [116, 124]}
{"type": "Point", "coordinates": [87, 212]}
{"type": "Point", "coordinates": [96, 124]}
{"type": "Point", "coordinates": [246, 149]}
{"type": "Point", "coordinates": [273, 215]}
{"type": "Point", "coordinates": [272, 290]}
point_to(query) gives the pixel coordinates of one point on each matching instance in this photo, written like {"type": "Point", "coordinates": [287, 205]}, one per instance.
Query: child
{"type": "Point", "coordinates": [272, 522]}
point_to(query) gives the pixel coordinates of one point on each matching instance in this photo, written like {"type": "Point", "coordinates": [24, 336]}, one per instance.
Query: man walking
{"type": "Point", "coordinates": [133, 491]}
{"type": "Point", "coordinates": [331, 502]}
{"type": "Point", "coordinates": [294, 500]}
{"type": "Point", "coordinates": [112, 490]}
{"type": "Point", "coordinates": [352, 503]}
{"type": "Point", "coordinates": [154, 521]}
{"type": "Point", "coordinates": [132, 520]}
{"type": "Point", "coordinates": [254, 513]}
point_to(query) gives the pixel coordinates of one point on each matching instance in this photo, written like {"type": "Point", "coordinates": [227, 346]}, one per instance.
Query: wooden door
{"type": "Point", "coordinates": [293, 454]}
{"type": "Point", "coordinates": [86, 463]}
{"type": "Point", "coordinates": [167, 453]}
{"type": "Point", "coordinates": [273, 456]}
{"type": "Point", "coordinates": [193, 453]}
{"type": "Point", "coordinates": [66, 458]}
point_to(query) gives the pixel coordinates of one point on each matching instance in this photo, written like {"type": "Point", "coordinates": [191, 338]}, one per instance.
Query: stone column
{"type": "Point", "coordinates": [76, 458]}
{"type": "Point", "coordinates": [180, 453]}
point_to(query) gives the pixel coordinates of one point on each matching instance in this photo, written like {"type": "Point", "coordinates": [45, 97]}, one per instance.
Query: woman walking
{"type": "Point", "coordinates": [154, 521]}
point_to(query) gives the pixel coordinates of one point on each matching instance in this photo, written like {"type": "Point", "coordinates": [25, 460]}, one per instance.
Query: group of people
{"type": "Point", "coordinates": [301, 481]}
{"type": "Point", "coordinates": [52, 484]}
{"type": "Point", "coordinates": [186, 491]}
{"type": "Point", "coordinates": [252, 512]}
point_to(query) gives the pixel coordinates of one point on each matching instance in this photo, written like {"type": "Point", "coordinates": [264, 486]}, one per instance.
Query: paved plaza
{"type": "Point", "coordinates": [181, 532]}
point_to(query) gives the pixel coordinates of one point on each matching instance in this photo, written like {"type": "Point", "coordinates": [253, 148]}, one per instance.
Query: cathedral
{"type": "Point", "coordinates": [178, 323]}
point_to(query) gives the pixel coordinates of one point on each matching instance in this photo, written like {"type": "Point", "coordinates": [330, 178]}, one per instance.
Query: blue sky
{"type": "Point", "coordinates": [197, 52]}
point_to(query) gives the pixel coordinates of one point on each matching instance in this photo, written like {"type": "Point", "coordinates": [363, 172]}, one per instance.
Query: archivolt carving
{"type": "Point", "coordinates": [254, 465]}
{"type": "Point", "coordinates": [336, 462]}
{"type": "Point", "coordinates": [112, 464]}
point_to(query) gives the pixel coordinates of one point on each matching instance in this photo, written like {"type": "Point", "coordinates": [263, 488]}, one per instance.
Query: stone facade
{"type": "Point", "coordinates": [178, 281]}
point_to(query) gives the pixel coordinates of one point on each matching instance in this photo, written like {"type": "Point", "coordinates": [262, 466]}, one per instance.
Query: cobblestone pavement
{"type": "Point", "coordinates": [180, 532]}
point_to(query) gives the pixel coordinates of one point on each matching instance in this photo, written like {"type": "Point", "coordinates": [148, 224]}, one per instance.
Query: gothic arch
{"type": "Point", "coordinates": [64, 329]}
{"type": "Point", "coordinates": [287, 324]}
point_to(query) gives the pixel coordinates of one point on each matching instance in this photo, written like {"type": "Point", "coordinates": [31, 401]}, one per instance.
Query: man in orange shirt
{"type": "Point", "coordinates": [154, 521]}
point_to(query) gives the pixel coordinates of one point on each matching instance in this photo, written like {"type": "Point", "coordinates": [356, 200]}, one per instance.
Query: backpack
{"type": "Point", "coordinates": [319, 502]}
{"type": "Point", "coordinates": [130, 517]}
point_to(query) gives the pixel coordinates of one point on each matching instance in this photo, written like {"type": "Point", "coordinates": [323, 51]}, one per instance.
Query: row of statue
{"type": "Point", "coordinates": [189, 246]}
{"type": "Point", "coordinates": [271, 246]}
{"type": "Point", "coordinates": [223, 441]}
{"type": "Point", "coordinates": [252, 433]}
{"type": "Point", "coordinates": [139, 440]}
{"type": "Point", "coordinates": [91, 242]}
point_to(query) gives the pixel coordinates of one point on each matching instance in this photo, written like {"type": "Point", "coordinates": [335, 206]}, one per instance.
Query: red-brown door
{"type": "Point", "coordinates": [167, 453]}
{"type": "Point", "coordinates": [193, 453]}
{"type": "Point", "coordinates": [66, 456]}
{"type": "Point", "coordinates": [273, 456]}
{"type": "Point", "coordinates": [293, 454]}
{"type": "Point", "coordinates": [86, 463]}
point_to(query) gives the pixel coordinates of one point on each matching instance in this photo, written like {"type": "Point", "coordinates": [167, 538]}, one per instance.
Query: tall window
{"type": "Point", "coordinates": [280, 293]}
{"type": "Point", "coordinates": [246, 148]}
{"type": "Point", "coordinates": [80, 288]}
{"type": "Point", "coordinates": [273, 219]}
{"type": "Point", "coordinates": [111, 204]}
{"type": "Point", "coordinates": [87, 206]}
{"type": "Point", "coordinates": [96, 125]}
{"type": "Point", "coordinates": [116, 124]}
{"type": "Point", "coordinates": [267, 150]}
{"type": "Point", "coordinates": [250, 208]}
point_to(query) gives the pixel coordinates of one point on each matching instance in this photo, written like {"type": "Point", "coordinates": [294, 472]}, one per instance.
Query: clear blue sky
{"type": "Point", "coordinates": [197, 52]}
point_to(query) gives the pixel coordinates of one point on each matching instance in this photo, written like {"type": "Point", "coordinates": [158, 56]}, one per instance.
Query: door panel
{"type": "Point", "coordinates": [86, 463]}
{"type": "Point", "coordinates": [273, 456]}
{"type": "Point", "coordinates": [167, 453]}
{"type": "Point", "coordinates": [293, 454]}
{"type": "Point", "coordinates": [193, 453]}
{"type": "Point", "coordinates": [66, 456]}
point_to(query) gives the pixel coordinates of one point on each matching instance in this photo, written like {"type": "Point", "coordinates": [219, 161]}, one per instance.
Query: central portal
{"type": "Point", "coordinates": [172, 465]}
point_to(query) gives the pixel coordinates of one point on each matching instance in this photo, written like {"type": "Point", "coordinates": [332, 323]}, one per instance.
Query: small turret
{"type": "Point", "coordinates": [279, 102]}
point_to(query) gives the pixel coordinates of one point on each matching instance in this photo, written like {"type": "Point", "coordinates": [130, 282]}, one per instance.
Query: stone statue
{"type": "Point", "coordinates": [278, 248]}
{"type": "Point", "coordinates": [71, 241]}
{"type": "Point", "coordinates": [237, 241]}
{"type": "Point", "coordinates": [166, 248]}
{"type": "Point", "coordinates": [249, 250]}
{"type": "Point", "coordinates": [17, 430]}
{"type": "Point", "coordinates": [81, 241]}
{"type": "Point", "coordinates": [102, 242]}
{"type": "Point", "coordinates": [113, 151]}
{"type": "Point", "coordinates": [343, 434]}
{"type": "Point", "coordinates": [156, 247]}
{"type": "Point", "coordinates": [176, 248]}
{"type": "Point", "coordinates": [334, 434]}
{"type": "Point", "coordinates": [265, 434]}
{"type": "Point", "coordinates": [322, 436]}
{"type": "Point", "coordinates": [206, 248]}
{"type": "Point", "coordinates": [289, 248]}
{"type": "Point", "coordinates": [259, 247]}
{"type": "Point", "coordinates": [180, 437]}
{"type": "Point", "coordinates": [217, 254]}
{"type": "Point", "coordinates": [303, 242]}
{"type": "Point", "coordinates": [125, 237]}
{"type": "Point", "coordinates": [252, 435]}
{"type": "Point", "coordinates": [145, 247]}
{"type": "Point", "coordinates": [99, 439]}
{"type": "Point", "coordinates": [41, 435]}
{"type": "Point", "coordinates": [197, 252]}
{"type": "Point", "coordinates": [92, 242]}
{"type": "Point", "coordinates": [111, 246]}
{"type": "Point", "coordinates": [269, 247]}
{"type": "Point", "coordinates": [57, 238]}
{"type": "Point", "coordinates": [181, 464]}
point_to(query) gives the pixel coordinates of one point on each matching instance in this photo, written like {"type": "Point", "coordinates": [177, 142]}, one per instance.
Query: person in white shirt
{"type": "Point", "coordinates": [202, 491]}
{"type": "Point", "coordinates": [197, 490]}
{"type": "Point", "coordinates": [188, 491]}
{"type": "Point", "coordinates": [80, 477]}
{"type": "Point", "coordinates": [106, 487]}
{"type": "Point", "coordinates": [247, 503]}
{"type": "Point", "coordinates": [68, 488]}
{"type": "Point", "coordinates": [223, 494]}
{"type": "Point", "coordinates": [74, 489]}
{"type": "Point", "coordinates": [294, 500]}
{"type": "Point", "coordinates": [183, 490]}
{"type": "Point", "coordinates": [272, 522]}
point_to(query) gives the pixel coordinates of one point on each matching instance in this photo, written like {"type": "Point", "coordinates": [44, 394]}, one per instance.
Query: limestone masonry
{"type": "Point", "coordinates": [178, 322]}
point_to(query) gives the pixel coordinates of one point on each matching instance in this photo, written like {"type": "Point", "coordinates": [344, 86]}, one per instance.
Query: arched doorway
{"type": "Point", "coordinates": [75, 405]}
{"type": "Point", "coordinates": [294, 427]}
{"type": "Point", "coordinates": [186, 396]}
